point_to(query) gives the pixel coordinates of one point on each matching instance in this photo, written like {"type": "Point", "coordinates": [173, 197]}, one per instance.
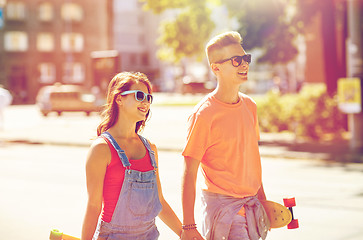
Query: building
{"type": "Point", "coordinates": [48, 41]}
{"type": "Point", "coordinates": [135, 34]}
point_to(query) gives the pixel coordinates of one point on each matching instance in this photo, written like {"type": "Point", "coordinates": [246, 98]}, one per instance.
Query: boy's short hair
{"type": "Point", "coordinates": [220, 41]}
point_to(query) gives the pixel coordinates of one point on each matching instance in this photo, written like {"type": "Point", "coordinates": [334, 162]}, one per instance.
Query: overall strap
{"type": "Point", "coordinates": [121, 153]}
{"type": "Point", "coordinates": [151, 152]}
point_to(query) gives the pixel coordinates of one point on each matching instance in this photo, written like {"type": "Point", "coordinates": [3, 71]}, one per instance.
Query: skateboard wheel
{"type": "Point", "coordinates": [55, 234]}
{"type": "Point", "coordinates": [289, 202]}
{"type": "Point", "coordinates": [293, 224]}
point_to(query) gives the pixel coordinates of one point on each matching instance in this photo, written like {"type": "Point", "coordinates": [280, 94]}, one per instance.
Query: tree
{"type": "Point", "coordinates": [266, 25]}
{"type": "Point", "coordinates": [327, 9]}
{"type": "Point", "coordinates": [186, 35]}
{"type": "Point", "coordinates": [263, 24]}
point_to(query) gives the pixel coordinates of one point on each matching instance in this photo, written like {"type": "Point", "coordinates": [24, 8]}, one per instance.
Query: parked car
{"type": "Point", "coordinates": [194, 85]}
{"type": "Point", "coordinates": [66, 98]}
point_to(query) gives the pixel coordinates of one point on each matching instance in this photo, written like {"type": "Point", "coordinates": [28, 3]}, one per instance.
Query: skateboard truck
{"type": "Point", "coordinates": [289, 203]}
{"type": "Point", "coordinates": [280, 215]}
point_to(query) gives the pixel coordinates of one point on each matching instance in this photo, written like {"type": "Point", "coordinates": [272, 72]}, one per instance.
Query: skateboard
{"type": "Point", "coordinates": [280, 215]}
{"type": "Point", "coordinates": [55, 234]}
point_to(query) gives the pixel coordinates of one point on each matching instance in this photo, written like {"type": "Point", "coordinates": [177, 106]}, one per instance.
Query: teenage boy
{"type": "Point", "coordinates": [223, 136]}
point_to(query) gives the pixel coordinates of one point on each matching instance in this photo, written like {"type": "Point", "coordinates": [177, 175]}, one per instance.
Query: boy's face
{"type": "Point", "coordinates": [225, 71]}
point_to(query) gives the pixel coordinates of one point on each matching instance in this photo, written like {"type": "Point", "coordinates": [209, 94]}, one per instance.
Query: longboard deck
{"type": "Point", "coordinates": [278, 215]}
{"type": "Point", "coordinates": [55, 234]}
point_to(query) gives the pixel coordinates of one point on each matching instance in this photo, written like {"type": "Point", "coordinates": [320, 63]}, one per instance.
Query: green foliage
{"type": "Point", "coordinates": [311, 113]}
{"type": "Point", "coordinates": [272, 114]}
{"type": "Point", "coordinates": [270, 25]}
{"type": "Point", "coordinates": [266, 25]}
{"type": "Point", "coordinates": [263, 24]}
{"type": "Point", "coordinates": [307, 9]}
{"type": "Point", "coordinates": [159, 6]}
{"type": "Point", "coordinates": [186, 35]}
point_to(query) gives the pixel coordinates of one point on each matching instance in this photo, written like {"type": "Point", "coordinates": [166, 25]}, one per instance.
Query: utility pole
{"type": "Point", "coordinates": [355, 67]}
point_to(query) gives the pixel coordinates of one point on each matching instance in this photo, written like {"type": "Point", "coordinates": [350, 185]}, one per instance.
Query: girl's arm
{"type": "Point", "coordinates": [167, 215]}
{"type": "Point", "coordinates": [97, 161]}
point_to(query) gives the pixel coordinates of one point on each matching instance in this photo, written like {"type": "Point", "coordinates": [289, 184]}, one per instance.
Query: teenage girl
{"type": "Point", "coordinates": [122, 169]}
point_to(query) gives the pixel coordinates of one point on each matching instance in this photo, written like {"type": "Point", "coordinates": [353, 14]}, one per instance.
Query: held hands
{"type": "Point", "coordinates": [192, 234]}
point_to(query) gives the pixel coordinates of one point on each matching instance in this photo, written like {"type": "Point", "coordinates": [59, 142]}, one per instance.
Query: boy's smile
{"type": "Point", "coordinates": [228, 70]}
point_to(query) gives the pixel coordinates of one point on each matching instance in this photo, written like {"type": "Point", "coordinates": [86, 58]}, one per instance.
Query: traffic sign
{"type": "Point", "coordinates": [349, 95]}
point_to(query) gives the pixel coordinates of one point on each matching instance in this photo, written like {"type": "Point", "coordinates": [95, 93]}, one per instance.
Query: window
{"type": "Point", "coordinates": [129, 39]}
{"type": "Point", "coordinates": [73, 73]}
{"type": "Point", "coordinates": [104, 63]}
{"type": "Point", "coordinates": [141, 20]}
{"type": "Point", "coordinates": [142, 39]}
{"type": "Point", "coordinates": [133, 59]}
{"type": "Point", "coordinates": [145, 59]}
{"type": "Point", "coordinates": [46, 12]}
{"type": "Point", "coordinates": [129, 5]}
{"type": "Point", "coordinates": [16, 41]}
{"type": "Point", "coordinates": [46, 73]}
{"type": "Point", "coordinates": [15, 10]}
{"type": "Point", "coordinates": [72, 42]}
{"type": "Point", "coordinates": [72, 12]}
{"type": "Point", "coordinates": [45, 42]}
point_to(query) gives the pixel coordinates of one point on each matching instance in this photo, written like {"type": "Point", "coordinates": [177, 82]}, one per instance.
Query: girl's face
{"type": "Point", "coordinates": [134, 108]}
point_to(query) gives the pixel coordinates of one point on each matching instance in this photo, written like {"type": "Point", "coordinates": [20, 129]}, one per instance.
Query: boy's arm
{"type": "Point", "coordinates": [188, 197]}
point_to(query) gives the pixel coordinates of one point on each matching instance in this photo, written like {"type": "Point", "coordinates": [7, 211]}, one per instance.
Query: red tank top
{"type": "Point", "coordinates": [114, 179]}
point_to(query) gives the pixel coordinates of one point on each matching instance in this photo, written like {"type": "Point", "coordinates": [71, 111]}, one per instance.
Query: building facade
{"type": "Point", "coordinates": [135, 34]}
{"type": "Point", "coordinates": [47, 41]}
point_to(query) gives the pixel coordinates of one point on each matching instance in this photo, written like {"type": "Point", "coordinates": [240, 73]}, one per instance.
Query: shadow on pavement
{"type": "Point", "coordinates": [333, 151]}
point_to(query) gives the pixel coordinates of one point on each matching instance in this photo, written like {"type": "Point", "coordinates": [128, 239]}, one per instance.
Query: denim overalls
{"type": "Point", "coordinates": [138, 203]}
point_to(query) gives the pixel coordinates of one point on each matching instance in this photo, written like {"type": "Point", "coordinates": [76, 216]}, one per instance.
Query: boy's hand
{"type": "Point", "coordinates": [191, 235]}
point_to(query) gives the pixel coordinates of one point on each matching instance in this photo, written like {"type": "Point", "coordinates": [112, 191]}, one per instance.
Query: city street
{"type": "Point", "coordinates": [301, 63]}
{"type": "Point", "coordinates": [42, 178]}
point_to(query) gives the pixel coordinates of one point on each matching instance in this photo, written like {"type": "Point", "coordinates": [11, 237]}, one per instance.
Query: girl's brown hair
{"type": "Point", "coordinates": [121, 82]}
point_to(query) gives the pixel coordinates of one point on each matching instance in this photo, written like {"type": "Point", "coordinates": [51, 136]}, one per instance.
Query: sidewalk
{"type": "Point", "coordinates": [325, 190]}
{"type": "Point", "coordinates": [288, 146]}
{"type": "Point", "coordinates": [166, 129]}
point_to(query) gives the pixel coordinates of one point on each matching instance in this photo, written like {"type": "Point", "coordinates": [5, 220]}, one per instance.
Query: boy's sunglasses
{"type": "Point", "coordinates": [237, 60]}
{"type": "Point", "coordinates": [139, 95]}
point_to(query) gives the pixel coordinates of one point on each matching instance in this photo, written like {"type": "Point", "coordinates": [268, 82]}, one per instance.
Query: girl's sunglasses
{"type": "Point", "coordinates": [139, 95]}
{"type": "Point", "coordinates": [237, 60]}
